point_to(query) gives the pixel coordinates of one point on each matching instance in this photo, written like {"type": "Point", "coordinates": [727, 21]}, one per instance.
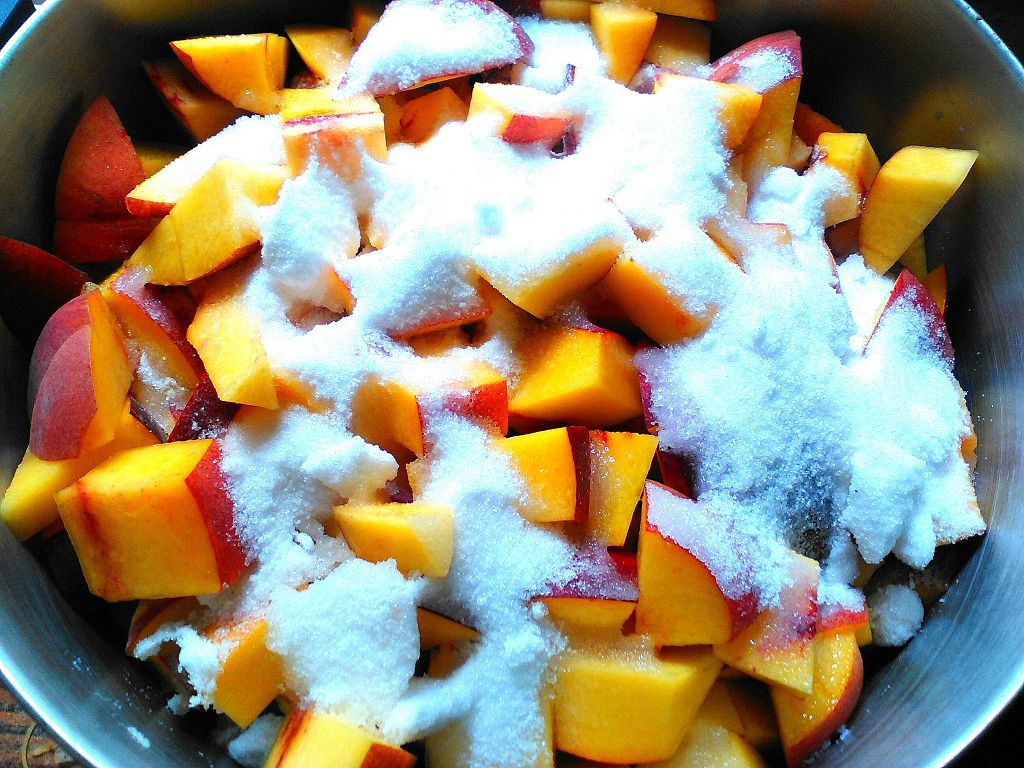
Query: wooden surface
{"type": "Point", "coordinates": [23, 744]}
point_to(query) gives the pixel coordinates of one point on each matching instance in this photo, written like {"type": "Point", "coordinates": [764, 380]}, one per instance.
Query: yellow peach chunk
{"type": "Point", "coordinates": [691, 9]}
{"type": "Point", "coordinates": [619, 463]}
{"type": "Point", "coordinates": [336, 140]}
{"type": "Point", "coordinates": [417, 536]}
{"type": "Point", "coordinates": [915, 258]}
{"type": "Point", "coordinates": [310, 739]}
{"type": "Point", "coordinates": [555, 468]}
{"type": "Point", "coordinates": [589, 613]}
{"type": "Point", "coordinates": [623, 33]}
{"type": "Point", "coordinates": [247, 70]}
{"type": "Point", "coordinates": [423, 116]}
{"type": "Point", "coordinates": [251, 675]}
{"type": "Point", "coordinates": [910, 189]}
{"type": "Point", "coordinates": [850, 155]}
{"type": "Point", "coordinates": [201, 112]}
{"type": "Point", "coordinates": [437, 630]}
{"type": "Point", "coordinates": [566, 10]}
{"type": "Point", "coordinates": [630, 707]}
{"type": "Point", "coordinates": [386, 413]}
{"type": "Point", "coordinates": [754, 706]}
{"type": "Point", "coordinates": [679, 44]}
{"type": "Point", "coordinates": [325, 50]}
{"type": "Point", "coordinates": [365, 13]}
{"type": "Point", "coordinates": [935, 283]}
{"type": "Point", "coordinates": [299, 103]}
{"type": "Point", "coordinates": [578, 375]}
{"type": "Point", "coordinates": [707, 744]}
{"type": "Point", "coordinates": [739, 106]}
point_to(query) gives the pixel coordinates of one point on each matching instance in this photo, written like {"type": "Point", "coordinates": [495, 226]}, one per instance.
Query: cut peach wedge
{"type": "Point", "coordinates": [417, 536]}
{"type": "Point", "coordinates": [682, 601]}
{"type": "Point", "coordinates": [623, 33]}
{"type": "Point", "coordinates": [679, 44]}
{"type": "Point", "coordinates": [251, 675]}
{"type": "Point", "coordinates": [154, 522]}
{"type": "Point", "coordinates": [707, 744]}
{"type": "Point", "coordinates": [523, 114]}
{"type": "Point", "coordinates": [83, 373]}
{"type": "Point", "coordinates": [246, 70]}
{"type": "Point", "coordinates": [555, 467]}
{"type": "Point", "coordinates": [908, 291]}
{"type": "Point", "coordinates": [189, 243]}
{"type": "Point", "coordinates": [566, 10]}
{"type": "Point", "coordinates": [910, 189]}
{"type": "Point", "coordinates": [619, 463]}
{"type": "Point", "coordinates": [423, 116]}
{"type": "Point", "coordinates": [852, 157]}
{"type": "Point", "coordinates": [808, 125]}
{"type": "Point", "coordinates": [577, 375]}
{"type": "Point", "coordinates": [739, 105]}
{"type": "Point", "coordinates": [325, 50]}
{"type": "Point", "coordinates": [336, 140]}
{"type": "Point", "coordinates": [599, 598]}
{"type": "Point", "coordinates": [806, 722]}
{"type": "Point", "coordinates": [632, 706]}
{"type": "Point", "coordinates": [437, 629]}
{"type": "Point", "coordinates": [28, 507]}
{"type": "Point", "coordinates": [200, 111]}
{"type": "Point", "coordinates": [311, 739]}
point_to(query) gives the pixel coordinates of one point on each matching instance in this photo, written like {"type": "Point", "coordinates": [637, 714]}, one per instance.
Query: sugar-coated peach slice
{"type": "Point", "coordinates": [247, 70]}
{"type": "Point", "coordinates": [681, 599]}
{"type": "Point", "coordinates": [28, 507]}
{"type": "Point", "coordinates": [300, 103]}
{"type": "Point", "coordinates": [600, 597]}
{"type": "Point", "coordinates": [204, 416]}
{"type": "Point", "coordinates": [739, 105]}
{"type": "Point", "coordinates": [908, 291]}
{"type": "Point", "coordinates": [623, 33]}
{"type": "Point", "coordinates": [189, 243]}
{"type": "Point", "coordinates": [251, 675]}
{"type": "Point", "coordinates": [777, 647]}
{"type": "Point", "coordinates": [629, 707]}
{"type": "Point", "coordinates": [437, 629]}
{"type": "Point", "coordinates": [806, 722]}
{"type": "Point", "coordinates": [578, 375]}
{"type": "Point", "coordinates": [325, 50]}
{"type": "Point", "coordinates": [154, 522]}
{"type": "Point", "coordinates": [850, 155]}
{"type": "Point", "coordinates": [83, 389]}
{"type": "Point", "coordinates": [524, 115]}
{"type": "Point", "coordinates": [200, 111]}
{"type": "Point", "coordinates": [679, 44]}
{"type": "Point", "coordinates": [555, 466]}
{"type": "Point", "coordinates": [336, 140]}
{"type": "Point", "coordinates": [910, 189]}
{"type": "Point", "coordinates": [227, 337]}
{"type": "Point", "coordinates": [808, 125]}
{"type": "Point", "coordinates": [33, 285]}
{"type": "Point", "coordinates": [150, 615]}
{"type": "Point", "coordinates": [417, 536]}
{"type": "Point", "coordinates": [311, 739]}
{"type": "Point", "coordinates": [619, 463]}
{"type": "Point", "coordinates": [423, 116]}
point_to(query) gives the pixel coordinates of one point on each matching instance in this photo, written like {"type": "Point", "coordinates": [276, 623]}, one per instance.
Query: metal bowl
{"type": "Point", "coordinates": [917, 71]}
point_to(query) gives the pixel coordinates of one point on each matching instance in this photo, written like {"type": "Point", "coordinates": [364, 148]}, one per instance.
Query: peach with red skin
{"type": "Point", "coordinates": [204, 416]}
{"type": "Point", "coordinates": [908, 290]}
{"type": "Point", "coordinates": [95, 240]}
{"type": "Point", "coordinates": [199, 111]}
{"type": "Point", "coordinates": [68, 318]}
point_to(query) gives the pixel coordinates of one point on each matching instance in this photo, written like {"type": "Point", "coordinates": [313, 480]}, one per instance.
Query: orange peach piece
{"type": "Point", "coordinates": [391, 109]}
{"type": "Point", "coordinates": [778, 647]}
{"type": "Point", "coordinates": [629, 707]}
{"type": "Point", "coordinates": [386, 413]}
{"type": "Point", "coordinates": [808, 125]}
{"type": "Point", "coordinates": [251, 674]}
{"type": "Point", "coordinates": [325, 50]}
{"type": "Point", "coordinates": [310, 739]}
{"type": "Point", "coordinates": [589, 613]}
{"type": "Point", "coordinates": [679, 44]}
{"type": "Point", "coordinates": [739, 106]}
{"type": "Point", "coordinates": [708, 744]}
{"type": "Point", "coordinates": [300, 103]}
{"type": "Point", "coordinates": [915, 258]}
{"type": "Point", "coordinates": [619, 464]}
{"type": "Point", "coordinates": [910, 189]}
{"type": "Point", "coordinates": [805, 722]}
{"type": "Point", "coordinates": [555, 467]}
{"type": "Point", "coordinates": [365, 13]}
{"type": "Point", "coordinates": [154, 522]}
{"type": "Point", "coordinates": [524, 115]}
{"type": "Point", "coordinates": [754, 705]}
{"type": "Point", "coordinates": [437, 630]}
{"type": "Point", "coordinates": [227, 338]}
{"type": "Point", "coordinates": [566, 10]}
{"type": "Point", "coordinates": [691, 9]}
{"type": "Point", "coordinates": [649, 305]}
{"type": "Point", "coordinates": [189, 243]}
{"type": "Point", "coordinates": [623, 33]}
{"type": "Point", "coordinates": [423, 116]}
{"type": "Point", "coordinates": [578, 375]}
{"type": "Point", "coordinates": [155, 157]}
{"type": "Point", "coordinates": [201, 112]}
{"type": "Point", "coordinates": [336, 141]}
{"type": "Point", "coordinates": [935, 283]}
{"type": "Point", "coordinates": [681, 601]}
{"type": "Point", "coordinates": [850, 155]}
{"type": "Point", "coordinates": [28, 507]}
{"type": "Point", "coordinates": [472, 311]}
{"type": "Point", "coordinates": [719, 708]}
{"type": "Point", "coordinates": [417, 536]}
{"type": "Point", "coordinates": [81, 394]}
{"type": "Point", "coordinates": [247, 70]}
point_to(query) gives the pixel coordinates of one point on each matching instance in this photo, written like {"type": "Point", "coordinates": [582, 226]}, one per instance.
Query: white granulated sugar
{"type": "Point", "coordinates": [199, 658]}
{"type": "Point", "coordinates": [865, 292]}
{"type": "Point", "coordinates": [419, 40]}
{"type": "Point", "coordinates": [764, 69]}
{"type": "Point", "coordinates": [251, 747]}
{"type": "Point", "coordinates": [138, 736]}
{"type": "Point", "coordinates": [350, 640]}
{"type": "Point", "coordinates": [896, 614]}
{"type": "Point", "coordinates": [556, 45]}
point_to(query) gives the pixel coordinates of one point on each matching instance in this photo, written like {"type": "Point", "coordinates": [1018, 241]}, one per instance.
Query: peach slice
{"type": "Point", "coordinates": [632, 706]}
{"type": "Point", "coordinates": [33, 285]}
{"type": "Point", "coordinates": [806, 722]}
{"type": "Point", "coordinates": [739, 106]}
{"type": "Point", "coordinates": [189, 243]}
{"type": "Point", "coordinates": [682, 601]}
{"type": "Point", "coordinates": [524, 115]}
{"type": "Point", "coordinates": [325, 50]}
{"type": "Point", "coordinates": [150, 615]}
{"type": "Point", "coordinates": [28, 507]}
{"type": "Point", "coordinates": [808, 125]}
{"type": "Point", "coordinates": [619, 464]}
{"type": "Point", "coordinates": [336, 141]}
{"type": "Point", "coordinates": [566, 10]}
{"type": "Point", "coordinates": [227, 338]}
{"type": "Point", "coordinates": [200, 112]}
{"type": "Point", "coordinates": [555, 466]}
{"type": "Point", "coordinates": [578, 375]}
{"type": "Point", "coordinates": [417, 536]}
{"type": "Point", "coordinates": [834, 617]}
{"type": "Point", "coordinates": [691, 9]}
{"type": "Point", "coordinates": [679, 44]}
{"type": "Point", "coordinates": [707, 744]}
{"type": "Point", "coordinates": [777, 647]}
{"type": "Point", "coordinates": [423, 116]}
{"type": "Point", "coordinates": [247, 70]}
{"type": "Point", "coordinates": [753, 703]}
{"type": "Point", "coordinates": [850, 155]}
{"type": "Point", "coordinates": [910, 189]}
{"type": "Point", "coordinates": [204, 416]}
{"type": "Point", "coordinates": [768, 143]}
{"type": "Point", "coordinates": [154, 522]}
{"type": "Point", "coordinates": [600, 597]}
{"type": "Point", "coordinates": [437, 630]}
{"type": "Point", "coordinates": [156, 157]}
{"type": "Point", "coordinates": [935, 283]}
{"type": "Point", "coordinates": [915, 258]}
{"type": "Point", "coordinates": [908, 291]}
{"type": "Point", "coordinates": [623, 33]}
{"type": "Point", "coordinates": [83, 386]}
{"type": "Point", "coordinates": [365, 13]}
{"type": "Point", "coordinates": [251, 675]}
{"type": "Point", "coordinates": [310, 739]}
